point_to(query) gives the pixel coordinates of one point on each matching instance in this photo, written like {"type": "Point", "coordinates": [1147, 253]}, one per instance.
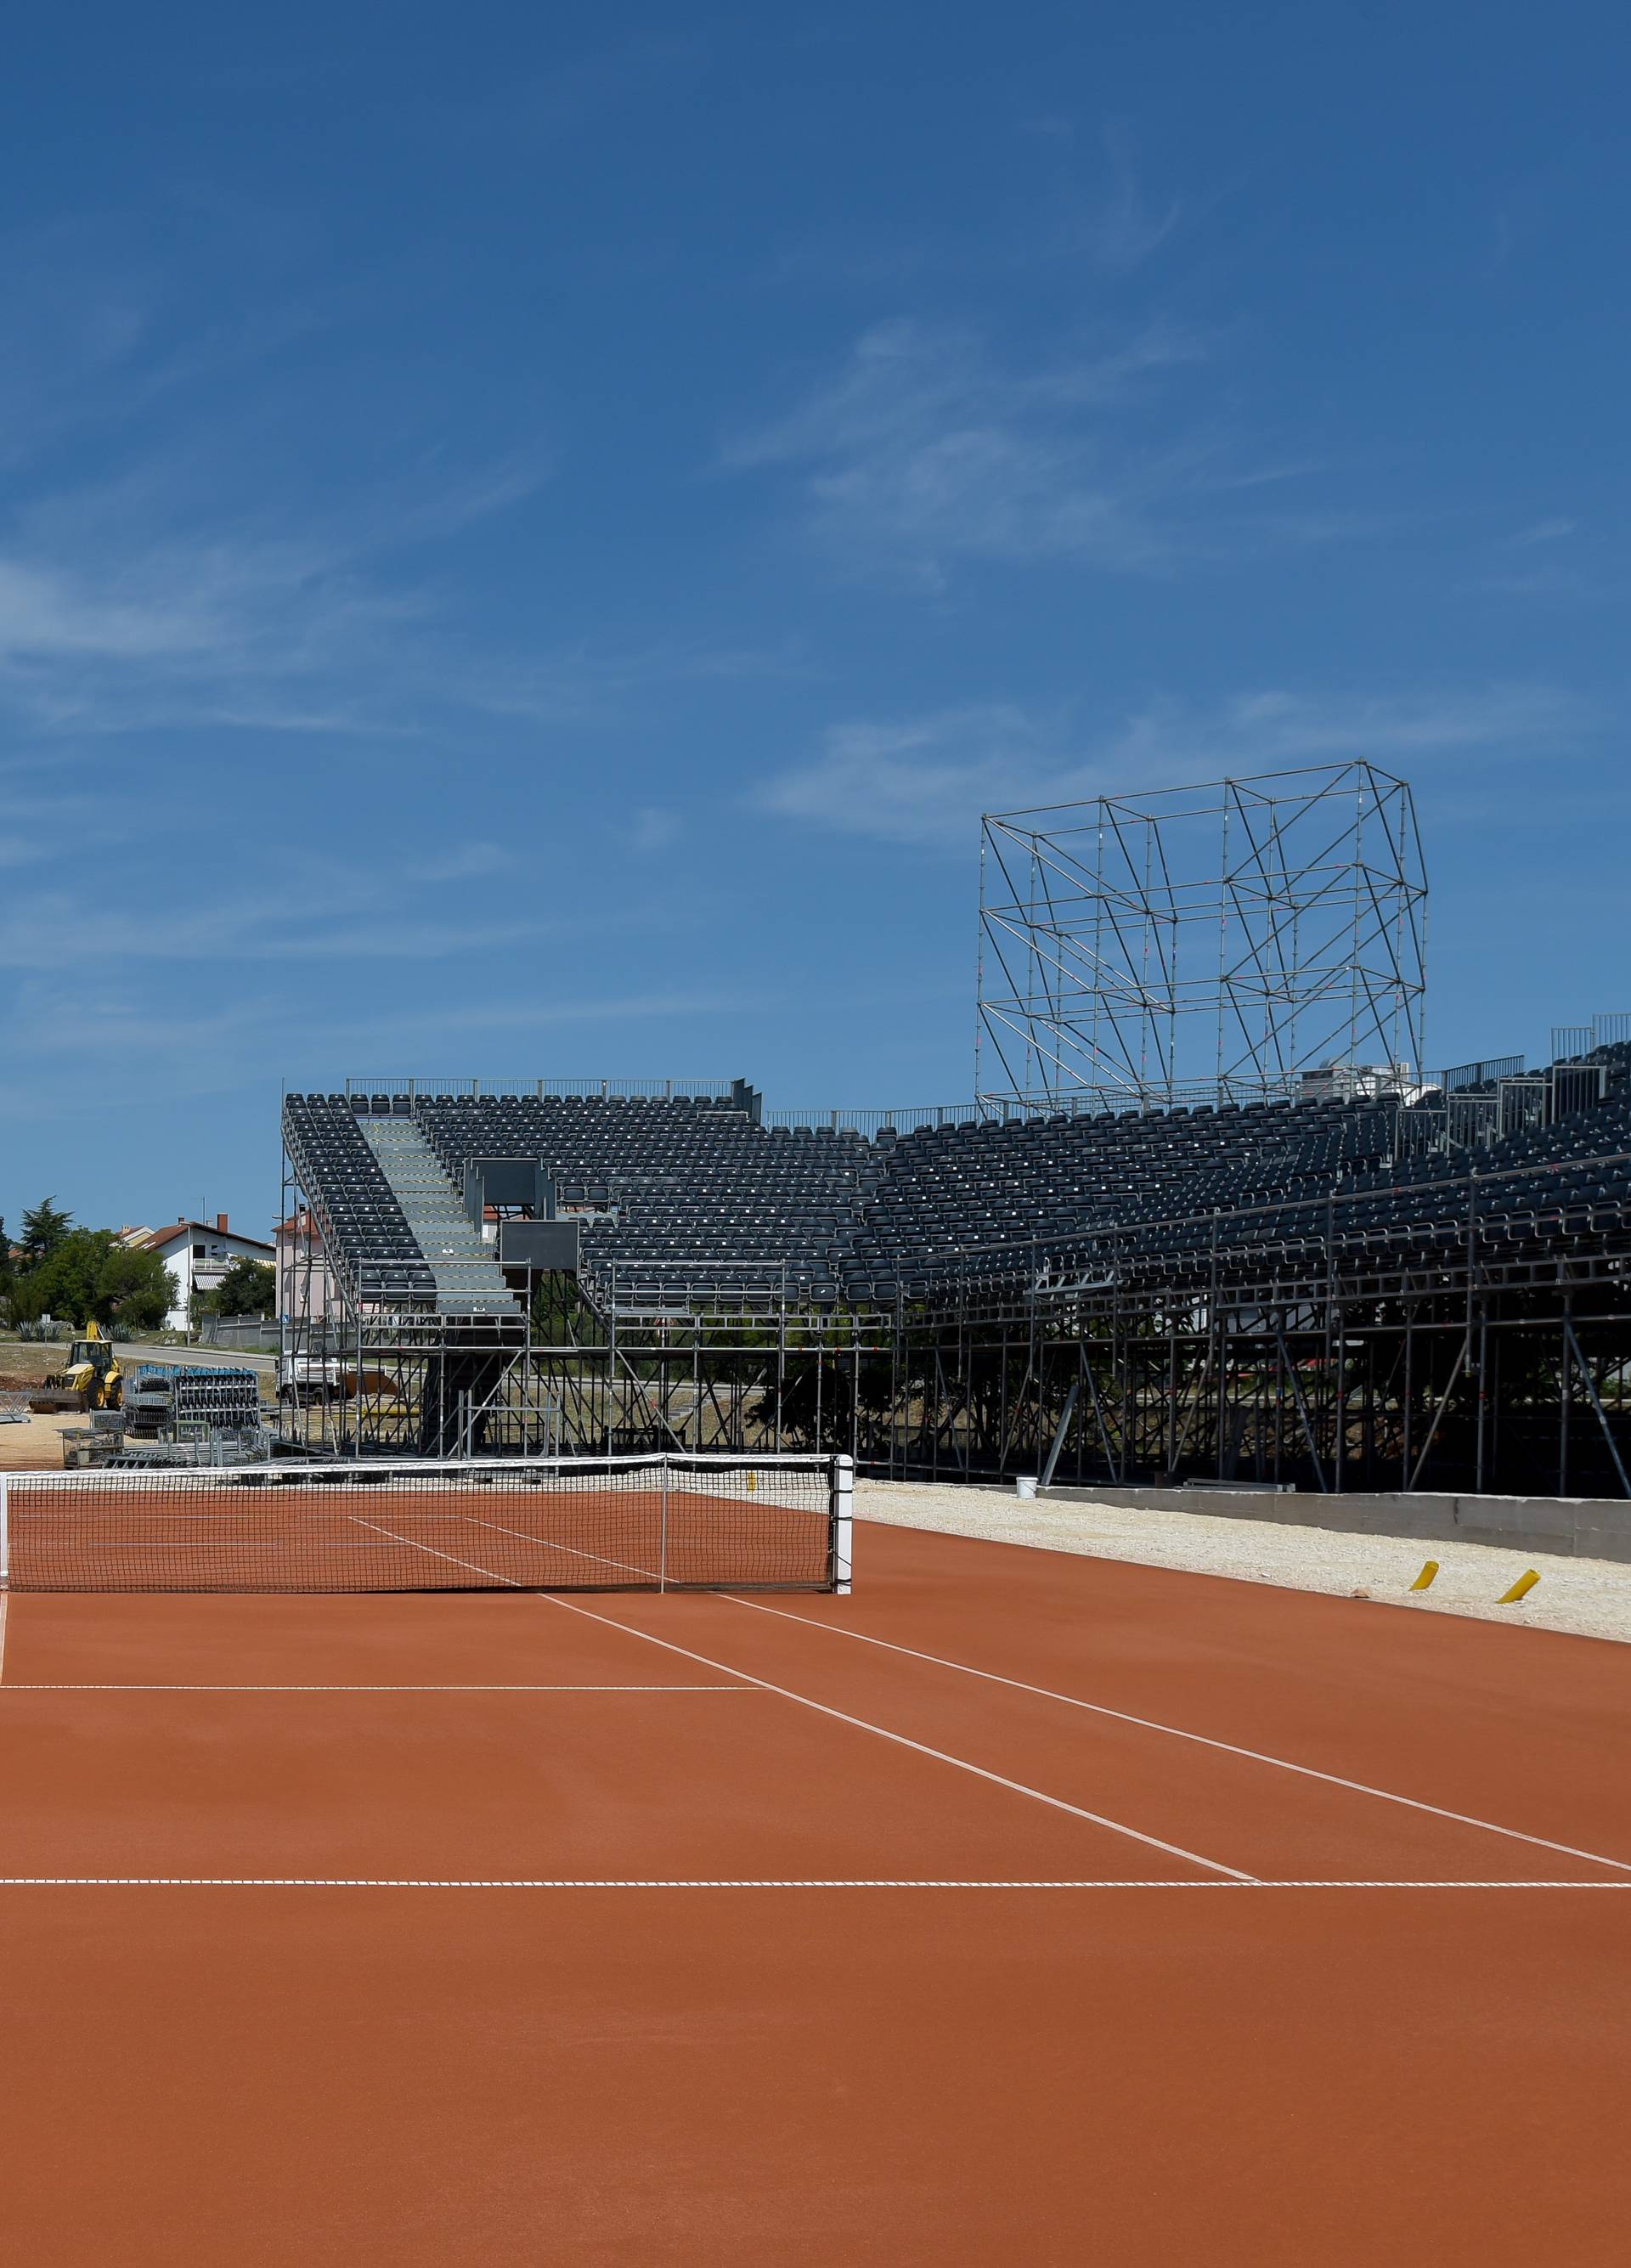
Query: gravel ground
{"type": "Point", "coordinates": [36, 1444]}
{"type": "Point", "coordinates": [1587, 1598]}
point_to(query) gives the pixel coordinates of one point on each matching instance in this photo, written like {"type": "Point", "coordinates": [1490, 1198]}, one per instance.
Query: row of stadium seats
{"type": "Point", "coordinates": [367, 1236]}
{"type": "Point", "coordinates": [683, 1192]}
{"type": "Point", "coordinates": [679, 1186]}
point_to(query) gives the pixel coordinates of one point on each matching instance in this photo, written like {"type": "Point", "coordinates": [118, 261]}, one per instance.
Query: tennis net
{"type": "Point", "coordinates": [648, 1523]}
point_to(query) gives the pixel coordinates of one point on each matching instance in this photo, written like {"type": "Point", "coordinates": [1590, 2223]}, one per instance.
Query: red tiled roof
{"type": "Point", "coordinates": [160, 1237]}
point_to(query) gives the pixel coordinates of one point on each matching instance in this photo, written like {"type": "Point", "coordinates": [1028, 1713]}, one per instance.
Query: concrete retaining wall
{"type": "Point", "coordinates": [1574, 1527]}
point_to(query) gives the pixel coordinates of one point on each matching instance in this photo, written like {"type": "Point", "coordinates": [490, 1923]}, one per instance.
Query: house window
{"type": "Point", "coordinates": [198, 1252]}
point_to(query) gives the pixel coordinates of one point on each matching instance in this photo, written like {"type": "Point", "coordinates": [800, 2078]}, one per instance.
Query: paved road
{"type": "Point", "coordinates": [134, 1351]}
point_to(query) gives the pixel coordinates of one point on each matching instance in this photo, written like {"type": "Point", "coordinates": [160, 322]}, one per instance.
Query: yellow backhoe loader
{"type": "Point", "coordinates": [91, 1379]}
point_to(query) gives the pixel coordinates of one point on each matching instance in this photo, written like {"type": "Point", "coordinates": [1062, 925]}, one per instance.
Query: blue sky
{"type": "Point", "coordinates": [529, 537]}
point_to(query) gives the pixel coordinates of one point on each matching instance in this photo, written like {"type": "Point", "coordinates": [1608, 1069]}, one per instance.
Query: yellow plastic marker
{"type": "Point", "coordinates": [1520, 1589]}
{"type": "Point", "coordinates": [1426, 1577]}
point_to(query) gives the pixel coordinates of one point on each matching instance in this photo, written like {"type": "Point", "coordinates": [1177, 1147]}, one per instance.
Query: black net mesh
{"type": "Point", "coordinates": [577, 1523]}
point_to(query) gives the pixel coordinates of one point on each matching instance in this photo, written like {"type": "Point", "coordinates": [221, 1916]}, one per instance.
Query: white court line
{"type": "Point", "coordinates": [63, 1687]}
{"type": "Point", "coordinates": [430, 1550]}
{"type": "Point", "coordinates": [623, 1566]}
{"type": "Point", "coordinates": [512, 1582]}
{"type": "Point", "coordinates": [1177, 1733]}
{"type": "Point", "coordinates": [5, 1600]}
{"type": "Point", "coordinates": [1245, 1884]}
{"type": "Point", "coordinates": [959, 1764]}
{"type": "Point", "coordinates": [919, 1748]}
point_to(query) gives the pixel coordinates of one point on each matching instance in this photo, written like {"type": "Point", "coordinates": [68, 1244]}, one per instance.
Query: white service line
{"type": "Point", "coordinates": [1178, 1732]}
{"type": "Point", "coordinates": [60, 1687]}
{"type": "Point", "coordinates": [841, 1716]}
{"type": "Point", "coordinates": [730, 1882]}
{"type": "Point", "coordinates": [900, 1740]}
{"type": "Point", "coordinates": [511, 1582]}
{"type": "Point", "coordinates": [5, 1600]}
{"type": "Point", "coordinates": [623, 1566]}
{"type": "Point", "coordinates": [430, 1552]}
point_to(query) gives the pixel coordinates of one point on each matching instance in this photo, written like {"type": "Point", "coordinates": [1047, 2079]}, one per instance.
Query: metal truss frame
{"type": "Point", "coordinates": [737, 1361]}
{"type": "Point", "coordinates": [1202, 942]}
{"type": "Point", "coordinates": [1331, 1364]}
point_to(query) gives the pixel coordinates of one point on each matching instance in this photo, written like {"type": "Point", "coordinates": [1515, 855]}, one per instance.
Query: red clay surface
{"type": "Point", "coordinates": [1208, 2069]}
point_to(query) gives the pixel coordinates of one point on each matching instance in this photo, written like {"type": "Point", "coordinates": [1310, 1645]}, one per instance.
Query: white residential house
{"type": "Point", "coordinates": [197, 1256]}
{"type": "Point", "coordinates": [306, 1287]}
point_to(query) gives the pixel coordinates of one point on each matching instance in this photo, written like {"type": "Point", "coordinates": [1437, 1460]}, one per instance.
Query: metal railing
{"type": "Point", "coordinates": [479, 1090]}
{"type": "Point", "coordinates": [1468, 1106]}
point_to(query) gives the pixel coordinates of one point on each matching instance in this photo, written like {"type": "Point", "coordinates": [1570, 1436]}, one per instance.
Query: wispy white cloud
{"type": "Point", "coordinates": [1553, 530]}
{"type": "Point", "coordinates": [1120, 227]}
{"type": "Point", "coordinates": [125, 608]}
{"type": "Point", "coordinates": [1549, 560]}
{"type": "Point", "coordinates": [216, 1052]}
{"type": "Point", "coordinates": [298, 905]}
{"type": "Point", "coordinates": [652, 826]}
{"type": "Point", "coordinates": [36, 829]}
{"type": "Point", "coordinates": [64, 929]}
{"type": "Point", "coordinates": [599, 685]}
{"type": "Point", "coordinates": [46, 613]}
{"type": "Point", "coordinates": [926, 781]}
{"type": "Point", "coordinates": [185, 583]}
{"type": "Point", "coordinates": [471, 862]}
{"type": "Point", "coordinates": [1094, 211]}
{"type": "Point", "coordinates": [925, 452]}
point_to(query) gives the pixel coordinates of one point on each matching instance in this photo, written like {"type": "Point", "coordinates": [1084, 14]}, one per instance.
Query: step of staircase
{"type": "Point", "coordinates": [466, 1273]}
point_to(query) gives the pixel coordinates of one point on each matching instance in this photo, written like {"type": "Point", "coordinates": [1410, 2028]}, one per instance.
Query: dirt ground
{"type": "Point", "coordinates": [24, 1363]}
{"type": "Point", "coordinates": [36, 1444]}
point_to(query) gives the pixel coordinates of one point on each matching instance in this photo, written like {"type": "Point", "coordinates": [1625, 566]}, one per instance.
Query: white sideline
{"type": "Point", "coordinates": [735, 1882]}
{"type": "Point", "coordinates": [920, 1747]}
{"type": "Point", "coordinates": [431, 1552]}
{"type": "Point", "coordinates": [63, 1686]}
{"type": "Point", "coordinates": [623, 1566]}
{"type": "Point", "coordinates": [959, 1764]}
{"type": "Point", "coordinates": [1178, 1732]}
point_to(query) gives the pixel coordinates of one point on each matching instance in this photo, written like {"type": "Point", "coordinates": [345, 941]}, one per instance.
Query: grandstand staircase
{"type": "Point", "coordinates": [465, 1272]}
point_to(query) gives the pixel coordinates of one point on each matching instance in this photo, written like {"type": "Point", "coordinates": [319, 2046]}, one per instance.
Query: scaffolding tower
{"type": "Point", "coordinates": [1226, 941]}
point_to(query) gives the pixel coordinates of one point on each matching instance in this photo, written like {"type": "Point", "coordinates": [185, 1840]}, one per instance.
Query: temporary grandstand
{"type": "Point", "coordinates": [1321, 1267]}
{"type": "Point", "coordinates": [1392, 1292]}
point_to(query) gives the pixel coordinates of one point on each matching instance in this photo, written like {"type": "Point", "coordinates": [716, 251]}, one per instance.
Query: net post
{"type": "Point", "coordinates": [662, 1546]}
{"type": "Point", "coordinates": [6, 1531]}
{"type": "Point", "coordinates": [842, 1523]}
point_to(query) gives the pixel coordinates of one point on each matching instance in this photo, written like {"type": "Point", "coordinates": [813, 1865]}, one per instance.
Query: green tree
{"type": "Point", "coordinates": [135, 1291]}
{"type": "Point", "coordinates": [249, 1287]}
{"type": "Point", "coordinates": [44, 1227]}
{"type": "Point", "coordinates": [63, 1283]}
{"type": "Point", "coordinates": [89, 1273]}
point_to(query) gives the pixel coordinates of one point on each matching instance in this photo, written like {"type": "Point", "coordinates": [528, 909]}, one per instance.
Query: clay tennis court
{"type": "Point", "coordinates": [1019, 1907]}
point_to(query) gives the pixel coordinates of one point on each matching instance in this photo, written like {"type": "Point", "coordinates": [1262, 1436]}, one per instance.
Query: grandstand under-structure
{"type": "Point", "coordinates": [1358, 1276]}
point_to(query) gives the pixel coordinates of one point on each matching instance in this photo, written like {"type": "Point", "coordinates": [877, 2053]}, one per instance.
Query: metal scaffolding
{"type": "Point", "coordinates": [1226, 940]}
{"type": "Point", "coordinates": [735, 1359]}
{"type": "Point", "coordinates": [1350, 1369]}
